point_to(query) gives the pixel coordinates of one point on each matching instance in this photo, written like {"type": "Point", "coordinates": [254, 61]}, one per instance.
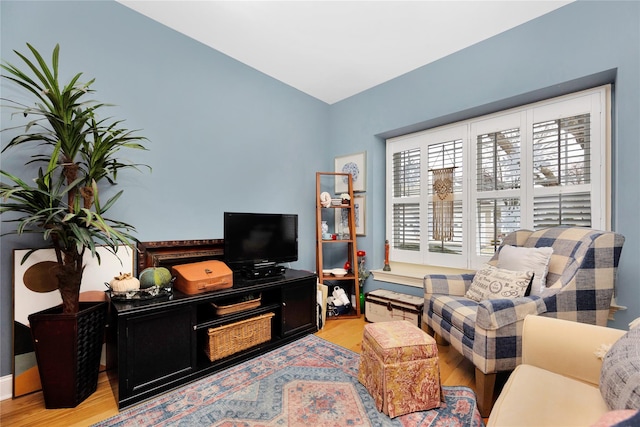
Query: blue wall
{"type": "Point", "coordinates": [581, 45]}
{"type": "Point", "coordinates": [223, 137]}
{"type": "Point", "coordinates": [226, 137]}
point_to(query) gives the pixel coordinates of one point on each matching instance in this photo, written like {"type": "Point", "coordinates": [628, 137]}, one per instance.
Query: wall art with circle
{"type": "Point", "coordinates": [355, 164]}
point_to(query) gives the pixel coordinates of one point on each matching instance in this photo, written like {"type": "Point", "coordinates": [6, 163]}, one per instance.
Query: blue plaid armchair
{"type": "Point", "coordinates": [580, 283]}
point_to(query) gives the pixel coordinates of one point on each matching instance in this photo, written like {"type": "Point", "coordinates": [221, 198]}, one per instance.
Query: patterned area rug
{"type": "Point", "coordinates": [309, 382]}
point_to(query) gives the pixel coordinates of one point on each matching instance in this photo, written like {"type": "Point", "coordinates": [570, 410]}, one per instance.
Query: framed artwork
{"type": "Point", "coordinates": [342, 217]}
{"type": "Point", "coordinates": [355, 164]}
{"type": "Point", "coordinates": [342, 222]}
{"type": "Point", "coordinates": [360, 207]}
{"type": "Point", "coordinates": [34, 292]}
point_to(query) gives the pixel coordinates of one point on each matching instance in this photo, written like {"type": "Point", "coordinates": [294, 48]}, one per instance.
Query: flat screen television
{"type": "Point", "coordinates": [254, 240]}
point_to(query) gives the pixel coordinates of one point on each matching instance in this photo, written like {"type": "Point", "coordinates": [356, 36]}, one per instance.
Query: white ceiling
{"type": "Point", "coordinates": [334, 49]}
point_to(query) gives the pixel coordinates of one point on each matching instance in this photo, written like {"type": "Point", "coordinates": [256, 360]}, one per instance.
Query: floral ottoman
{"type": "Point", "coordinates": [399, 367]}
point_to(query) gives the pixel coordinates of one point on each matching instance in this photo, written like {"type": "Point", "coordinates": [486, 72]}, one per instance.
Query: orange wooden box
{"type": "Point", "coordinates": [205, 276]}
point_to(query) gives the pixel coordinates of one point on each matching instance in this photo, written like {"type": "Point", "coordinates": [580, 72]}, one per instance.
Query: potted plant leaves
{"type": "Point", "coordinates": [76, 156]}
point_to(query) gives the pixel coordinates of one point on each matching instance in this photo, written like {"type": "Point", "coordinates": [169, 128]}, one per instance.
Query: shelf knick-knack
{"type": "Point", "coordinates": [325, 231]}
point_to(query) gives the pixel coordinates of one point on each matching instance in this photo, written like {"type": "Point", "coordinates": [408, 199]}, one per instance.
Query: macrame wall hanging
{"type": "Point", "coordinates": [443, 204]}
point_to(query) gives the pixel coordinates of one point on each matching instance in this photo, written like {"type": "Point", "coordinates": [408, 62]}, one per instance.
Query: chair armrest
{"type": "Point", "coordinates": [495, 313]}
{"type": "Point", "coordinates": [565, 347]}
{"type": "Point", "coordinates": [447, 284]}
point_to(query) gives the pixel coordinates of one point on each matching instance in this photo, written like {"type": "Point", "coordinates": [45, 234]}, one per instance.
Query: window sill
{"type": "Point", "coordinates": [412, 274]}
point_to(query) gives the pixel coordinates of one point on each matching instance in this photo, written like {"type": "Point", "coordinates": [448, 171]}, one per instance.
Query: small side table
{"type": "Point", "coordinates": [399, 367]}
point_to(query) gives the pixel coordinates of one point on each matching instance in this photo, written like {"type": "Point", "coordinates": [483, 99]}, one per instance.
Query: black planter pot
{"type": "Point", "coordinates": [68, 349]}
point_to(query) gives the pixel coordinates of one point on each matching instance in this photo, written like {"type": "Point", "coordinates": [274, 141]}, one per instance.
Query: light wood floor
{"type": "Point", "coordinates": [29, 410]}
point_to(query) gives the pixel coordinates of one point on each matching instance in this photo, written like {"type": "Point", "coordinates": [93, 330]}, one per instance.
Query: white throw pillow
{"type": "Point", "coordinates": [524, 259]}
{"type": "Point", "coordinates": [492, 283]}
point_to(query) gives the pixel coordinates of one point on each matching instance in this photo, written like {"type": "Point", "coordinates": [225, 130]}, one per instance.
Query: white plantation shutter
{"type": "Point", "coordinates": [562, 209]}
{"type": "Point", "coordinates": [406, 173]}
{"type": "Point", "coordinates": [498, 174]}
{"type": "Point", "coordinates": [410, 197]}
{"type": "Point", "coordinates": [446, 155]}
{"type": "Point", "coordinates": [562, 172]}
{"type": "Point", "coordinates": [406, 187]}
{"type": "Point", "coordinates": [406, 226]}
{"type": "Point", "coordinates": [498, 158]}
{"type": "Point", "coordinates": [495, 219]}
{"type": "Point", "coordinates": [561, 152]}
{"type": "Point", "coordinates": [536, 166]}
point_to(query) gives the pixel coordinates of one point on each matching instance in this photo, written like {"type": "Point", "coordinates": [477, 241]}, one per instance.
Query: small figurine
{"type": "Point", "coordinates": [386, 267]}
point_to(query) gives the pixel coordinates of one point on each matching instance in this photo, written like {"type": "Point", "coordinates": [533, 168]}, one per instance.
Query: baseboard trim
{"type": "Point", "coordinates": [6, 387]}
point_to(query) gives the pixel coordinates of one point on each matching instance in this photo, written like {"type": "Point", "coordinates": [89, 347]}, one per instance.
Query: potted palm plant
{"type": "Point", "coordinates": [76, 157]}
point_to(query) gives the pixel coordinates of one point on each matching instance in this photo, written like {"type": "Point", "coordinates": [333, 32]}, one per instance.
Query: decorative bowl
{"type": "Point", "coordinates": [339, 272]}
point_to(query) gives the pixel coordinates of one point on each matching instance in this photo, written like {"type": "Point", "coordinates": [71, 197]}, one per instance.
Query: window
{"type": "Point", "coordinates": [406, 190]}
{"type": "Point", "coordinates": [443, 155]}
{"type": "Point", "coordinates": [562, 171]}
{"type": "Point", "coordinates": [536, 166]}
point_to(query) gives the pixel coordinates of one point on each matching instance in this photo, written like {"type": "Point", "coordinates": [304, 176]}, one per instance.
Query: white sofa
{"type": "Point", "coordinates": [557, 382]}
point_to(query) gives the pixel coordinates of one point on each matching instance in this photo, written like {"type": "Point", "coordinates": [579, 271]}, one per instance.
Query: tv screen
{"type": "Point", "coordinates": [259, 239]}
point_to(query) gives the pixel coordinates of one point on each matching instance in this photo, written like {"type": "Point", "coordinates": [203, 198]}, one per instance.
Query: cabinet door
{"type": "Point", "coordinates": [299, 313]}
{"type": "Point", "coordinates": [159, 347]}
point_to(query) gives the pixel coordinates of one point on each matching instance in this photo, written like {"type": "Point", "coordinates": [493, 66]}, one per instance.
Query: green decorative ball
{"type": "Point", "coordinates": [155, 276]}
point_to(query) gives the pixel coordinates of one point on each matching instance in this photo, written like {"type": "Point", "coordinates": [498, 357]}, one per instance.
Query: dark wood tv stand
{"type": "Point", "coordinates": [158, 344]}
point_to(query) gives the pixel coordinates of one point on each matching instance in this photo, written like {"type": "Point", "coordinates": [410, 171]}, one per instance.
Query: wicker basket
{"type": "Point", "coordinates": [221, 310]}
{"type": "Point", "coordinates": [226, 340]}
